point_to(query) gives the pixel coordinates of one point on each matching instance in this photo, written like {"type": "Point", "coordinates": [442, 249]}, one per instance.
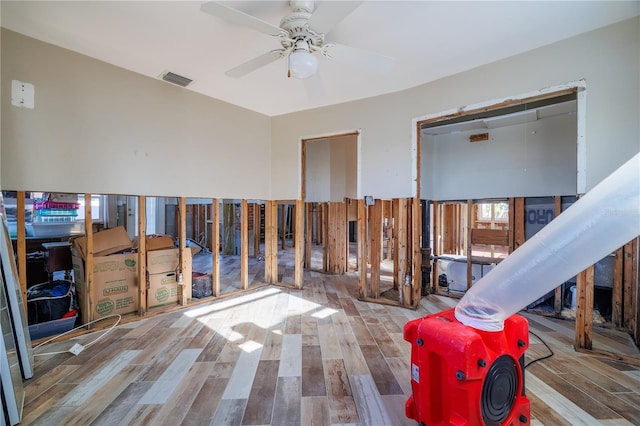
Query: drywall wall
{"type": "Point", "coordinates": [608, 60]}
{"type": "Point", "coordinates": [318, 167]}
{"type": "Point", "coordinates": [331, 169]}
{"type": "Point", "coordinates": [103, 129]}
{"type": "Point", "coordinates": [524, 160]}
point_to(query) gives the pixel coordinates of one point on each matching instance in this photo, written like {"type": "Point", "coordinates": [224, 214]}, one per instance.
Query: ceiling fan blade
{"type": "Point", "coordinates": [255, 63]}
{"type": "Point", "coordinates": [329, 13]}
{"type": "Point", "coordinates": [238, 17]}
{"type": "Point", "coordinates": [365, 59]}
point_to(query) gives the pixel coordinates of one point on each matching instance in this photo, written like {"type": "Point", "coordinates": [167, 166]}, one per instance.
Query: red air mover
{"type": "Point", "coordinates": [464, 376]}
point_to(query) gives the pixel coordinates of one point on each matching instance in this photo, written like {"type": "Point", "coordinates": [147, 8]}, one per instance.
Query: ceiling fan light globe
{"type": "Point", "coordinates": [302, 64]}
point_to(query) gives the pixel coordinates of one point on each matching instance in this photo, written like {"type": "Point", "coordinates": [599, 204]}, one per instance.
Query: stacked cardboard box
{"type": "Point", "coordinates": [114, 288]}
{"type": "Point", "coordinates": [163, 269]}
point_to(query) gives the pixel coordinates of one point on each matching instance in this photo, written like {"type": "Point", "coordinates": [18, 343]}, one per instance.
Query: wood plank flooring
{"type": "Point", "coordinates": [319, 356]}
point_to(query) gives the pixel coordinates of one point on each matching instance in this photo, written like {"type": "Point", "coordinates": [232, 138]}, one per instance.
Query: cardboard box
{"type": "Point", "coordinates": [114, 288]}
{"type": "Point", "coordinates": [105, 242]}
{"type": "Point", "coordinates": [162, 290]}
{"type": "Point", "coordinates": [163, 261]}
{"type": "Point", "coordinates": [156, 242]}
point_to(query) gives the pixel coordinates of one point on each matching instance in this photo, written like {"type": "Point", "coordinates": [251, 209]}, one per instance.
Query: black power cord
{"type": "Point", "coordinates": [541, 358]}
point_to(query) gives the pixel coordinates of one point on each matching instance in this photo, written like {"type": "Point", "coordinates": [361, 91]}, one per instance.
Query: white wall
{"type": "Point", "coordinates": [525, 160]}
{"type": "Point", "coordinates": [318, 179]}
{"type": "Point", "coordinates": [608, 59]}
{"type": "Point", "coordinates": [331, 169]}
{"type": "Point", "coordinates": [103, 129]}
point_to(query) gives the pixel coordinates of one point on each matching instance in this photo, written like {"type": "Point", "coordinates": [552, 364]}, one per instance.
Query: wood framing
{"type": "Point", "coordinates": [617, 288]}
{"type": "Point", "coordinates": [557, 298]}
{"type": "Point", "coordinates": [271, 241]}
{"type": "Point", "coordinates": [497, 237]}
{"type": "Point", "coordinates": [215, 247]}
{"type": "Point", "coordinates": [182, 293]}
{"type": "Point", "coordinates": [512, 216]}
{"type": "Point", "coordinates": [320, 223]}
{"type": "Point", "coordinates": [283, 226]}
{"type": "Point", "coordinates": [325, 237]}
{"type": "Point", "coordinates": [142, 255]}
{"type": "Point", "coordinates": [518, 223]}
{"type": "Point", "coordinates": [244, 244]}
{"type": "Point", "coordinates": [362, 249]}
{"type": "Point", "coordinates": [308, 235]}
{"type": "Point", "coordinates": [375, 241]}
{"type": "Point", "coordinates": [21, 246]}
{"type": "Point", "coordinates": [336, 241]}
{"type": "Point", "coordinates": [88, 262]}
{"type": "Point", "coordinates": [400, 259]}
{"type": "Point", "coordinates": [256, 228]}
{"type": "Point", "coordinates": [416, 253]}
{"type": "Point", "coordinates": [298, 274]}
{"type": "Point", "coordinates": [584, 308]}
{"type": "Point", "coordinates": [630, 284]}
{"type": "Point", "coordinates": [387, 218]}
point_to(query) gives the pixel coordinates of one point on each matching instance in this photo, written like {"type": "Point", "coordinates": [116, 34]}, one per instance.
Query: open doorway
{"type": "Point", "coordinates": [329, 182]}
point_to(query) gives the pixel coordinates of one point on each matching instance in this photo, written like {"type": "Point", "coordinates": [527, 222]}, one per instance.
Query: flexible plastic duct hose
{"type": "Point", "coordinates": [600, 222]}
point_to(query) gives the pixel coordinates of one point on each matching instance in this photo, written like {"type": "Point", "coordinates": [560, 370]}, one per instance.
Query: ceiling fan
{"type": "Point", "coordinates": [302, 34]}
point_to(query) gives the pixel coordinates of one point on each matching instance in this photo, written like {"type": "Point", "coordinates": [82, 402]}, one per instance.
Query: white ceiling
{"type": "Point", "coordinates": [428, 39]}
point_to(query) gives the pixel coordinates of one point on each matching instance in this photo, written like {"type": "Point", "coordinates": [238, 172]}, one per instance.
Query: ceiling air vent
{"type": "Point", "coordinates": [176, 79]}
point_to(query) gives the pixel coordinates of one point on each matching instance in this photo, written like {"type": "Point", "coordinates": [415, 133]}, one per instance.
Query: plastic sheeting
{"type": "Point", "coordinates": [606, 218]}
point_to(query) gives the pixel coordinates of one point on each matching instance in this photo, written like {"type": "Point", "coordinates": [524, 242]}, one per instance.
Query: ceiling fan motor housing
{"type": "Point", "coordinates": [464, 376]}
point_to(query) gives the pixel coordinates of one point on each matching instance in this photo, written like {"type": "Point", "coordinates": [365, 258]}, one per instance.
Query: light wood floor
{"type": "Point", "coordinates": [312, 357]}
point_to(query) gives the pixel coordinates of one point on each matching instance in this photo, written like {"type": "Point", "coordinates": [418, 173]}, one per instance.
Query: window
{"type": "Point", "coordinates": [497, 211]}
{"type": "Point", "coordinates": [97, 207]}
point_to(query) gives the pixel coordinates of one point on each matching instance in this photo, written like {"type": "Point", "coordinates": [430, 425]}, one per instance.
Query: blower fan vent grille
{"type": "Point", "coordinates": [499, 391]}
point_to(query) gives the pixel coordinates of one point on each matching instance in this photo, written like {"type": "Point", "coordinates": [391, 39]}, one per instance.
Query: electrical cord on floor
{"type": "Point", "coordinates": [541, 358]}
{"type": "Point", "coordinates": [77, 348]}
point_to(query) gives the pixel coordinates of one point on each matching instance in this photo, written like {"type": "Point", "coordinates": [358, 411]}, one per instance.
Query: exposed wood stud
{"type": "Point", "coordinates": [215, 247]}
{"type": "Point", "coordinates": [416, 255]}
{"type": "Point", "coordinates": [389, 230]}
{"type": "Point", "coordinates": [325, 237]}
{"type": "Point", "coordinates": [283, 225]}
{"type": "Point", "coordinates": [435, 217]}
{"type": "Point", "coordinates": [21, 246]}
{"type": "Point", "coordinates": [142, 255]}
{"type": "Point", "coordinates": [320, 224]}
{"type": "Point", "coordinates": [630, 284]}
{"type": "Point", "coordinates": [584, 308]}
{"type": "Point", "coordinates": [375, 227]}
{"type": "Point", "coordinates": [362, 249]}
{"type": "Point", "coordinates": [299, 244]}
{"type": "Point", "coordinates": [256, 229]}
{"type": "Point", "coordinates": [88, 262]}
{"type": "Point", "coordinates": [271, 242]}
{"type": "Point", "coordinates": [244, 244]}
{"type": "Point", "coordinates": [183, 294]}
{"type": "Point", "coordinates": [308, 235]}
{"type": "Point", "coordinates": [519, 219]}
{"type": "Point", "coordinates": [403, 245]}
{"type": "Point", "coordinates": [512, 208]}
{"type": "Point", "coordinates": [557, 300]}
{"type": "Point", "coordinates": [617, 290]}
